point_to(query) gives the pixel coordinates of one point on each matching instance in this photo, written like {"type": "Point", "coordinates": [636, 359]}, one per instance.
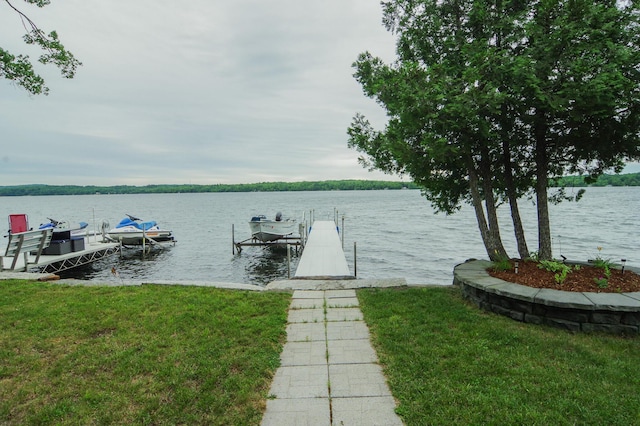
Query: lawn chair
{"type": "Point", "coordinates": [18, 223]}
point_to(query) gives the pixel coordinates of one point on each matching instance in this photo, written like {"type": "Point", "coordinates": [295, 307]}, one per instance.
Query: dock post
{"type": "Point", "coordinates": [355, 260]}
{"type": "Point", "coordinates": [233, 239]}
{"type": "Point", "coordinates": [288, 261]}
{"type": "Point", "coordinates": [342, 233]}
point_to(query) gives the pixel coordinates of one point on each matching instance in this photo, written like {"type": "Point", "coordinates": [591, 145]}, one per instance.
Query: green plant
{"type": "Point", "coordinates": [562, 275]}
{"type": "Point", "coordinates": [551, 265]}
{"type": "Point", "coordinates": [600, 262]}
{"type": "Point", "coordinates": [602, 282]}
{"type": "Point", "coordinates": [605, 265]}
{"type": "Point", "coordinates": [561, 269]}
{"type": "Point", "coordinates": [502, 264]}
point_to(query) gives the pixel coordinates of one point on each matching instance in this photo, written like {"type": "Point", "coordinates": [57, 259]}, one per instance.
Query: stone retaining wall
{"type": "Point", "coordinates": [617, 313]}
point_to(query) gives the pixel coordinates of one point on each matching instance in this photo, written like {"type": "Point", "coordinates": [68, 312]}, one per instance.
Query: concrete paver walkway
{"type": "Point", "coordinates": [329, 373]}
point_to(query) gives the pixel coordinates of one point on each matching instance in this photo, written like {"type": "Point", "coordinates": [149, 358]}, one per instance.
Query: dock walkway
{"type": "Point", "coordinates": [323, 256]}
{"type": "Point", "coordinates": [329, 373]}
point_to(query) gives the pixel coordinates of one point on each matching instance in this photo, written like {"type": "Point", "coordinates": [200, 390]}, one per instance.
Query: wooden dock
{"type": "Point", "coordinates": [323, 257]}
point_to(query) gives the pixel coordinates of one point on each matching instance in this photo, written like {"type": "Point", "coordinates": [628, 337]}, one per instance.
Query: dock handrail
{"type": "Point", "coordinates": [24, 243]}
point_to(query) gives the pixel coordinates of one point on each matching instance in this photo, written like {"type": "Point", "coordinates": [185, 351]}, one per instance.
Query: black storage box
{"type": "Point", "coordinates": [61, 235]}
{"type": "Point", "coordinates": [77, 244]}
{"type": "Point", "coordinates": [58, 247]}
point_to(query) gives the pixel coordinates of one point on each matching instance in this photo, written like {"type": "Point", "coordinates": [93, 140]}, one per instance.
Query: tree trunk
{"type": "Point", "coordinates": [544, 228]}
{"type": "Point", "coordinates": [494, 248]}
{"type": "Point", "coordinates": [518, 229]}
{"type": "Point", "coordinates": [490, 205]}
{"type": "Point", "coordinates": [506, 125]}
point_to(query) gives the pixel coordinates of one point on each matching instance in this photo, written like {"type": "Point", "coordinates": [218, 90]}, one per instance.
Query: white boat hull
{"type": "Point", "coordinates": [136, 237]}
{"type": "Point", "coordinates": [271, 230]}
{"type": "Point", "coordinates": [135, 232]}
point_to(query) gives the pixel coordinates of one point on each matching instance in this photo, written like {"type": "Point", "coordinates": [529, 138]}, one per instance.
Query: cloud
{"type": "Point", "coordinates": [201, 91]}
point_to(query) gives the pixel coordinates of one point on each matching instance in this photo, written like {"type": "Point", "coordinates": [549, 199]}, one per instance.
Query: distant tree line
{"type": "Point", "coordinates": [329, 185]}
{"type": "Point", "coordinates": [630, 179]}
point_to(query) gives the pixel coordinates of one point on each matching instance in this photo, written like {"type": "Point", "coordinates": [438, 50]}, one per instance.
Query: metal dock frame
{"type": "Point", "coordinates": [75, 259]}
{"type": "Point", "coordinates": [297, 242]}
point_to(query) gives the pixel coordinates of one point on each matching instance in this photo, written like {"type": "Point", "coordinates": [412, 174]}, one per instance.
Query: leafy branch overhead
{"type": "Point", "coordinates": [20, 70]}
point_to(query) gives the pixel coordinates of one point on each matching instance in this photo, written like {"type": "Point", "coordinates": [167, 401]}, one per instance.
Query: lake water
{"type": "Point", "coordinates": [396, 232]}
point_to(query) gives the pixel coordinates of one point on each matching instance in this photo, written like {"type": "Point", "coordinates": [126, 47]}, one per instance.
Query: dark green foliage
{"type": "Point", "coordinates": [329, 185]}
{"type": "Point", "coordinates": [629, 179]}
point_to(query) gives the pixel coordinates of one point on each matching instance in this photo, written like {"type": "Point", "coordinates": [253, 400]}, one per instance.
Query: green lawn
{"type": "Point", "coordinates": [447, 362]}
{"type": "Point", "coordinates": [195, 355]}
{"type": "Point", "coordinates": [137, 355]}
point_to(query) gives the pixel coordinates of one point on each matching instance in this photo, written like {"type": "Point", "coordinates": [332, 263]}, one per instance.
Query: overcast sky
{"type": "Point", "coordinates": [198, 91]}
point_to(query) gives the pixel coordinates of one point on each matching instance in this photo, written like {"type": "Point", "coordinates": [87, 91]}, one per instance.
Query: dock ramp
{"type": "Point", "coordinates": [323, 257]}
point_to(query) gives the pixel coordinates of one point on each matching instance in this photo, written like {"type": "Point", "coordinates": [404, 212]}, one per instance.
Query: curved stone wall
{"type": "Point", "coordinates": [617, 313]}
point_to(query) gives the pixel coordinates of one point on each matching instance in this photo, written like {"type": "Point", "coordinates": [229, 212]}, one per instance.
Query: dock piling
{"type": "Point", "coordinates": [355, 260]}
{"type": "Point", "coordinates": [288, 261]}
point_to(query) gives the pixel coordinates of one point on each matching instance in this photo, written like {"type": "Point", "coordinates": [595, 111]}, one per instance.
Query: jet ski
{"type": "Point", "coordinates": [134, 231]}
{"type": "Point", "coordinates": [61, 228]}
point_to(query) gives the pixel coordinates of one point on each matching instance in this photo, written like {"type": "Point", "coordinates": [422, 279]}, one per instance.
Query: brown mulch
{"type": "Point", "coordinates": [531, 275]}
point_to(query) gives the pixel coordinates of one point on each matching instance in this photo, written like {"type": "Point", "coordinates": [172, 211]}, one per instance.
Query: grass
{"type": "Point", "coordinates": [194, 355]}
{"type": "Point", "coordinates": [448, 362]}
{"type": "Point", "coordinates": [137, 355]}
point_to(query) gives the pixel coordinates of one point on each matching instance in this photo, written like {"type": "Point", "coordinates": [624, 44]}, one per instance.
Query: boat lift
{"type": "Point", "coordinates": [147, 242]}
{"type": "Point", "coordinates": [296, 242]}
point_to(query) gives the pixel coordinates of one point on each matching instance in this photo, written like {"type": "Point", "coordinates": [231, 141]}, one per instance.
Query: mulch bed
{"type": "Point", "coordinates": [582, 280]}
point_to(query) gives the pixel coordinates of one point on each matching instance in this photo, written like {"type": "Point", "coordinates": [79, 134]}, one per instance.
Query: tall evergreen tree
{"type": "Point", "coordinates": [490, 99]}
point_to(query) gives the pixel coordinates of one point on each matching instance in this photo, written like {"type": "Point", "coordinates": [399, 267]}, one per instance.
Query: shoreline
{"type": "Point", "coordinates": [277, 285]}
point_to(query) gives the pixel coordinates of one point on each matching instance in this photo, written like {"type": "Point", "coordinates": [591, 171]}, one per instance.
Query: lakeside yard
{"type": "Point", "coordinates": [137, 355]}
{"type": "Point", "coordinates": [448, 362]}
{"type": "Point", "coordinates": [196, 355]}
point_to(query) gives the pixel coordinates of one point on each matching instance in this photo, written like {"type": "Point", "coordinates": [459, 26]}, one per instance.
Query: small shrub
{"type": "Point", "coordinates": [602, 263]}
{"type": "Point", "coordinates": [601, 282]}
{"type": "Point", "coordinates": [503, 264]}
{"type": "Point", "coordinates": [605, 265]}
{"type": "Point", "coordinates": [561, 270]}
{"type": "Point", "coordinates": [552, 265]}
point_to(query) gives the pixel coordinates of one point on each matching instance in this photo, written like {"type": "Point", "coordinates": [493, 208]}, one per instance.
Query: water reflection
{"type": "Point", "coordinates": [132, 263]}
{"type": "Point", "coordinates": [263, 265]}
